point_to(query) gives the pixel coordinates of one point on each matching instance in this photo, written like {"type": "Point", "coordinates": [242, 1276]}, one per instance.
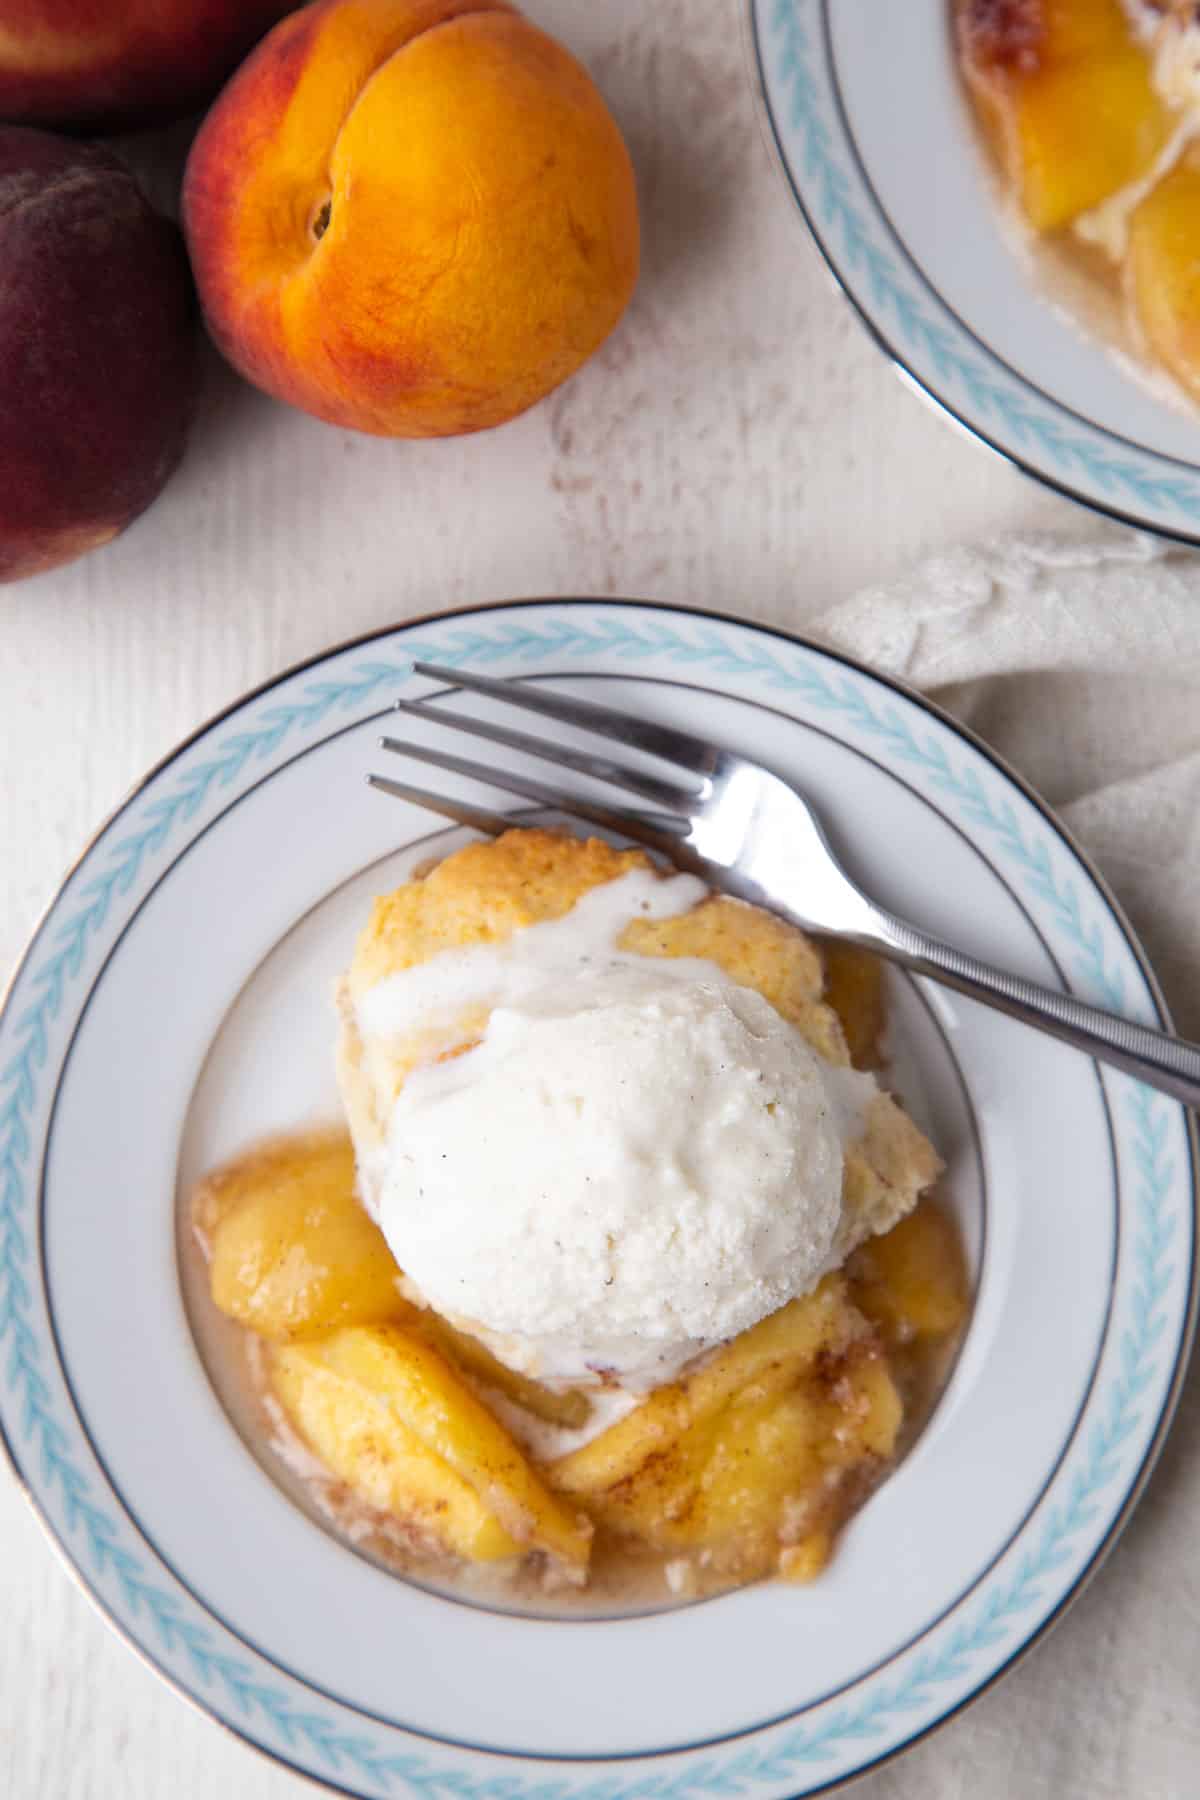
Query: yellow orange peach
{"type": "Point", "coordinates": [411, 217]}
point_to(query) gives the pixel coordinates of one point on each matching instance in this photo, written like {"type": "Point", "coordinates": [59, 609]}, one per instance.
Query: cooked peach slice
{"type": "Point", "coordinates": [291, 1252]}
{"type": "Point", "coordinates": [1065, 93]}
{"type": "Point", "coordinates": [1162, 270]}
{"type": "Point", "coordinates": [765, 1359]}
{"type": "Point", "coordinates": [912, 1282]}
{"type": "Point", "coordinates": [746, 1461]}
{"type": "Point", "coordinates": [398, 1369]}
{"type": "Point", "coordinates": [568, 1408]}
{"type": "Point", "coordinates": [854, 989]}
{"type": "Point", "coordinates": [769, 1469]}
{"type": "Point", "coordinates": [804, 1561]}
{"type": "Point", "coordinates": [360, 1439]}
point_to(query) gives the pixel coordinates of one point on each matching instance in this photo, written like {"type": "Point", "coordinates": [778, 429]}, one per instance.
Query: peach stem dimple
{"type": "Point", "coordinates": [319, 222]}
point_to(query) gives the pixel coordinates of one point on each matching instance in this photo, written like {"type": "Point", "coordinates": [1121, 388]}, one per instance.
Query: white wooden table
{"type": "Point", "coordinates": [739, 444]}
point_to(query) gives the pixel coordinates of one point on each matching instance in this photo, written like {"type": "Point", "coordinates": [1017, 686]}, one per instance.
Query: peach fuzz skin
{"type": "Point", "coordinates": [103, 64]}
{"type": "Point", "coordinates": [98, 342]}
{"type": "Point", "coordinates": [410, 217]}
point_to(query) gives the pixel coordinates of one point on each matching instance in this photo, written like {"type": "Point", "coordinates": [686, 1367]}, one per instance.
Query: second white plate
{"type": "Point", "coordinates": [876, 141]}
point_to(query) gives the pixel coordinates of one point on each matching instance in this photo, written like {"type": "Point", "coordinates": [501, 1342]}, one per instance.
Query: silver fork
{"type": "Point", "coordinates": [750, 833]}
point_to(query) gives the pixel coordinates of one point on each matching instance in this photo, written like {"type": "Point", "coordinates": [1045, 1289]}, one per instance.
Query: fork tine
{"type": "Point", "coordinates": [477, 817]}
{"type": "Point", "coordinates": [662, 832]}
{"type": "Point", "coordinates": [600, 768]}
{"type": "Point", "coordinates": [691, 753]}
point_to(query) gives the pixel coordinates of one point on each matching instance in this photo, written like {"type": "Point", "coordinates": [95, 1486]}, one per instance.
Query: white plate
{"type": "Point", "coordinates": [173, 1003]}
{"type": "Point", "coordinates": [874, 133]}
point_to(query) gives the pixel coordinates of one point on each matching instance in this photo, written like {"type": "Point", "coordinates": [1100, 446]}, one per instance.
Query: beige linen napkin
{"type": "Point", "coordinates": [1080, 663]}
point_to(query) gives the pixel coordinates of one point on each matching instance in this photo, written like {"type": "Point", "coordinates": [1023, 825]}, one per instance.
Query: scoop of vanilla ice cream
{"type": "Point", "coordinates": [627, 1169]}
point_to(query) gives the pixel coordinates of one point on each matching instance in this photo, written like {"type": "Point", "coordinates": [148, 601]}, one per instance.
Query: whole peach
{"type": "Point", "coordinates": [109, 64]}
{"type": "Point", "coordinates": [412, 217]}
{"type": "Point", "coordinates": [98, 358]}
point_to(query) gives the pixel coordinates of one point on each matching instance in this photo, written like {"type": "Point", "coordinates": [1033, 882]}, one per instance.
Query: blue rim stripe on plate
{"type": "Point", "coordinates": [1009, 1615]}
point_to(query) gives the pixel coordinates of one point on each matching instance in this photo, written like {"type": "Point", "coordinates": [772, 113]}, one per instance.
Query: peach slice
{"type": "Point", "coordinates": [364, 1443]}
{"type": "Point", "coordinates": [376, 1402]}
{"type": "Point", "coordinates": [292, 1254]}
{"type": "Point", "coordinates": [1065, 94]}
{"type": "Point", "coordinates": [1162, 270]}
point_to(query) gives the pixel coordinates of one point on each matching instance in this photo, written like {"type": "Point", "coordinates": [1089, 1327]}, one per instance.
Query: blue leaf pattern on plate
{"type": "Point", "coordinates": [189, 1646]}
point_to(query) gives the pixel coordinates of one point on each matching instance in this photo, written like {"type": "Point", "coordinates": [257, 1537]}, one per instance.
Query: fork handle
{"type": "Point", "coordinates": [1162, 1061]}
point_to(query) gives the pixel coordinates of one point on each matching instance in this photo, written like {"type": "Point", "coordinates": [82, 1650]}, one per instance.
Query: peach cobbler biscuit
{"type": "Point", "coordinates": [718, 1159]}
{"type": "Point", "coordinates": [488, 891]}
